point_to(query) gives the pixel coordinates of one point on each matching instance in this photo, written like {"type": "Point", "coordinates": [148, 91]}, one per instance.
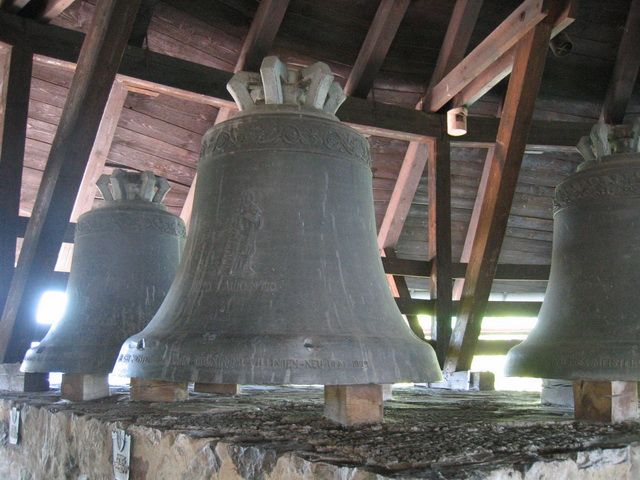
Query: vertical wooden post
{"type": "Point", "coordinates": [439, 242]}
{"type": "Point", "coordinates": [15, 85]}
{"type": "Point", "coordinates": [98, 63]}
{"type": "Point", "coordinates": [513, 130]}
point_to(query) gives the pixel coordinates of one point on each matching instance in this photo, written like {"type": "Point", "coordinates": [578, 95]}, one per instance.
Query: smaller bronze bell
{"type": "Point", "coordinates": [126, 253]}
{"type": "Point", "coordinates": [589, 324]}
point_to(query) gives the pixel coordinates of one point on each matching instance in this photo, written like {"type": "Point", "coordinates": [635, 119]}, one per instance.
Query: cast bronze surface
{"type": "Point", "coordinates": [127, 251]}
{"type": "Point", "coordinates": [281, 280]}
{"type": "Point", "coordinates": [589, 323]}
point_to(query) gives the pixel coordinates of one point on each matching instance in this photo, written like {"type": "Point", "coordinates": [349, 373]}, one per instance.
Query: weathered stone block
{"type": "Point", "coordinates": [12, 379]}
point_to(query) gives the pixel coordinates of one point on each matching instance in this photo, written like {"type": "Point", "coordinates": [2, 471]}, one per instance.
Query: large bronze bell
{"type": "Point", "coordinates": [589, 324]}
{"type": "Point", "coordinates": [126, 253]}
{"type": "Point", "coordinates": [281, 280]}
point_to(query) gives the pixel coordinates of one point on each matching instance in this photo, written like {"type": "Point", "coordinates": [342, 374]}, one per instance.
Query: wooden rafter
{"type": "Point", "coordinates": [625, 71]}
{"type": "Point", "coordinates": [263, 30]}
{"type": "Point", "coordinates": [161, 74]}
{"type": "Point", "coordinates": [483, 62]}
{"type": "Point", "coordinates": [142, 22]}
{"type": "Point", "coordinates": [374, 49]}
{"type": "Point", "coordinates": [100, 56]}
{"type": "Point", "coordinates": [15, 83]}
{"type": "Point", "coordinates": [515, 122]}
{"type": "Point", "coordinates": [473, 222]}
{"type": "Point", "coordinates": [95, 164]}
{"type": "Point", "coordinates": [262, 33]}
{"type": "Point", "coordinates": [456, 41]}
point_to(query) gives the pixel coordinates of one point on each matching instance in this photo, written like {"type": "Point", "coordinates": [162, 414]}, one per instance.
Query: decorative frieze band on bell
{"type": "Point", "coordinates": [281, 280]}
{"type": "Point", "coordinates": [127, 250]}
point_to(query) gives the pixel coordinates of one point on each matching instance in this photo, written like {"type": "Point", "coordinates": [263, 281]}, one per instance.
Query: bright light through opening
{"type": "Point", "coordinates": [51, 307]}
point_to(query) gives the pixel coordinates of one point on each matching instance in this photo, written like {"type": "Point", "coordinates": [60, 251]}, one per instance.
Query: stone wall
{"type": "Point", "coordinates": [62, 442]}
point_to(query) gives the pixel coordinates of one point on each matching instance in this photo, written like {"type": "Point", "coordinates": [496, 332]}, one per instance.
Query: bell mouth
{"type": "Point", "coordinates": [86, 359]}
{"type": "Point", "coordinates": [279, 359]}
{"type": "Point", "coordinates": [570, 361]}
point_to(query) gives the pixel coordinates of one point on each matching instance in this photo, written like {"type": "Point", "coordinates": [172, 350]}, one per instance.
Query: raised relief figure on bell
{"type": "Point", "coordinates": [281, 280]}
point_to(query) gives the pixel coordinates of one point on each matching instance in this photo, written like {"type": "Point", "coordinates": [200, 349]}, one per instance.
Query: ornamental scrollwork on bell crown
{"type": "Point", "coordinates": [312, 87]}
{"type": "Point", "coordinates": [124, 185]}
{"type": "Point", "coordinates": [606, 140]}
{"type": "Point", "coordinates": [328, 138]}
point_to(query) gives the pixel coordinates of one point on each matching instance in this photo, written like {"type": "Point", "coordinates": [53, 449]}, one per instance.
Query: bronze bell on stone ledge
{"type": "Point", "coordinates": [126, 253]}
{"type": "Point", "coordinates": [281, 281]}
{"type": "Point", "coordinates": [589, 323]}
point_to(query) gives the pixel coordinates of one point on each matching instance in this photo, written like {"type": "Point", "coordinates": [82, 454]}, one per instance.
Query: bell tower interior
{"type": "Point", "coordinates": [291, 239]}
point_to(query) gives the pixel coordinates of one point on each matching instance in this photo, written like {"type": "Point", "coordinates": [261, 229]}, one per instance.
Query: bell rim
{"type": "Point", "coordinates": [570, 361]}
{"type": "Point", "coordinates": [418, 363]}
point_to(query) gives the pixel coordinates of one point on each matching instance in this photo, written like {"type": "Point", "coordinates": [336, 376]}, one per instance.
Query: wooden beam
{"type": "Point", "coordinates": [439, 239]}
{"type": "Point", "coordinates": [403, 192]}
{"type": "Point", "coordinates": [504, 271]}
{"type": "Point", "coordinates": [374, 49]}
{"type": "Point", "coordinates": [625, 71]}
{"type": "Point", "coordinates": [142, 22]}
{"type": "Point", "coordinates": [495, 47]}
{"type": "Point", "coordinates": [53, 8]}
{"type": "Point", "coordinates": [161, 74]}
{"type": "Point", "coordinates": [95, 165]}
{"type": "Point", "coordinates": [262, 33]}
{"type": "Point", "coordinates": [515, 122]}
{"type": "Point", "coordinates": [97, 66]}
{"type": "Point", "coordinates": [15, 84]}
{"type": "Point", "coordinates": [501, 68]}
{"type": "Point", "coordinates": [473, 222]}
{"type": "Point", "coordinates": [493, 309]}
{"type": "Point", "coordinates": [100, 150]}
{"type": "Point", "coordinates": [404, 293]}
{"type": "Point", "coordinates": [264, 27]}
{"type": "Point", "coordinates": [456, 41]}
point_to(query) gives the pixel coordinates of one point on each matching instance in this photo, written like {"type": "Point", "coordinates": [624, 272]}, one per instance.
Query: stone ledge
{"type": "Point", "coordinates": [279, 433]}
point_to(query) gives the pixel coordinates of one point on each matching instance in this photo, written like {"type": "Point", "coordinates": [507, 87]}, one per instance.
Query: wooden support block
{"type": "Point", "coordinates": [602, 401]}
{"type": "Point", "coordinates": [219, 388]}
{"type": "Point", "coordinates": [143, 390]}
{"type": "Point", "coordinates": [80, 387]}
{"type": "Point", "coordinates": [12, 379]}
{"type": "Point", "coordinates": [353, 404]}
